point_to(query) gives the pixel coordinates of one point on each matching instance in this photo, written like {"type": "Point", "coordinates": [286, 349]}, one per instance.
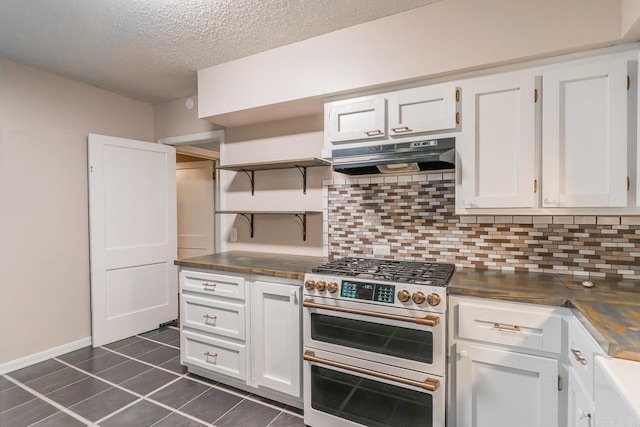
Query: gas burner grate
{"type": "Point", "coordinates": [437, 274]}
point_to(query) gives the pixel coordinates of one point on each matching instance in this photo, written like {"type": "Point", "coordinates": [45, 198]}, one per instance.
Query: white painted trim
{"type": "Point", "coordinates": [44, 355]}
{"type": "Point", "coordinates": [211, 136]}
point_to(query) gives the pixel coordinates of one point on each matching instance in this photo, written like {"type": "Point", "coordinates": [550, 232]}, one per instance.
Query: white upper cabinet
{"type": "Point", "coordinates": [584, 137]}
{"type": "Point", "coordinates": [498, 144]}
{"type": "Point", "coordinates": [405, 114]}
{"type": "Point", "coordinates": [359, 119]}
{"type": "Point", "coordinates": [423, 109]}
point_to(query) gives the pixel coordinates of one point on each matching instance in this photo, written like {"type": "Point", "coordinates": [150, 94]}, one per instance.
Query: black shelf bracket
{"type": "Point", "coordinates": [249, 218]}
{"type": "Point", "coordinates": [303, 172]}
{"type": "Point", "coordinates": [252, 178]}
{"type": "Point", "coordinates": [303, 221]}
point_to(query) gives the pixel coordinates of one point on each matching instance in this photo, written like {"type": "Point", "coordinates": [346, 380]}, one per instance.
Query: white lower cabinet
{"type": "Point", "coordinates": [276, 332]}
{"type": "Point", "coordinates": [580, 405]}
{"type": "Point", "coordinates": [243, 332]}
{"type": "Point", "coordinates": [500, 388]}
{"type": "Point", "coordinates": [504, 364]}
{"type": "Point", "coordinates": [218, 355]}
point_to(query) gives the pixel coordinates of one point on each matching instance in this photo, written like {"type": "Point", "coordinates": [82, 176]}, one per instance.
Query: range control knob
{"type": "Point", "coordinates": [321, 285]}
{"type": "Point", "coordinates": [404, 295]}
{"type": "Point", "coordinates": [332, 287]}
{"type": "Point", "coordinates": [310, 284]}
{"type": "Point", "coordinates": [433, 299]}
{"type": "Point", "coordinates": [418, 297]}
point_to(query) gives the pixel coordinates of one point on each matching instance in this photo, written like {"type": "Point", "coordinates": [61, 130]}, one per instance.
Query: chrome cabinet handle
{"type": "Point", "coordinates": [207, 285]}
{"type": "Point", "coordinates": [207, 355]}
{"type": "Point", "coordinates": [578, 356]}
{"type": "Point", "coordinates": [430, 384]}
{"type": "Point", "coordinates": [373, 132]}
{"type": "Point", "coordinates": [208, 317]}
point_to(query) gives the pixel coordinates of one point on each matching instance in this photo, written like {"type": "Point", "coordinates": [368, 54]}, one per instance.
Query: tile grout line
{"type": "Point", "coordinates": [139, 396]}
{"type": "Point", "coordinates": [157, 342]}
{"type": "Point", "coordinates": [50, 402]}
{"type": "Point", "coordinates": [143, 362]}
{"type": "Point", "coordinates": [225, 414]}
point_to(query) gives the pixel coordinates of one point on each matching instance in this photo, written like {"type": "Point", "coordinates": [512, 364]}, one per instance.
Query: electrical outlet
{"type": "Point", "coordinates": [381, 250]}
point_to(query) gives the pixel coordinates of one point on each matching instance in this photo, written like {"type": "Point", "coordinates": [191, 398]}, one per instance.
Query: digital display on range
{"type": "Point", "coordinates": [368, 291]}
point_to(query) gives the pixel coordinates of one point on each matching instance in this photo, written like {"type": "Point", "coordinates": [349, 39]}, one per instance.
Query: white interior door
{"type": "Point", "coordinates": [195, 208]}
{"type": "Point", "coordinates": [133, 233]}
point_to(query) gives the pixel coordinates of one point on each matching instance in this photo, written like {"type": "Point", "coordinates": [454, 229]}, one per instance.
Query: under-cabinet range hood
{"type": "Point", "coordinates": [432, 154]}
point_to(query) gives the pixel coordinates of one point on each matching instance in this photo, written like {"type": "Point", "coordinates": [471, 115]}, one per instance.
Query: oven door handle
{"type": "Point", "coordinates": [428, 320]}
{"type": "Point", "coordinates": [430, 384]}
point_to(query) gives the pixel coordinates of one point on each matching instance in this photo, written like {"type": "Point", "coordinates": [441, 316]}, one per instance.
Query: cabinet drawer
{"type": "Point", "coordinates": [213, 316]}
{"type": "Point", "coordinates": [518, 325]}
{"type": "Point", "coordinates": [581, 350]}
{"type": "Point", "coordinates": [216, 355]}
{"type": "Point", "coordinates": [212, 284]}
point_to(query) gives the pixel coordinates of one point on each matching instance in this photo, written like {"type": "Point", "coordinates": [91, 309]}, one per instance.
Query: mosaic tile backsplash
{"type": "Point", "coordinates": [415, 215]}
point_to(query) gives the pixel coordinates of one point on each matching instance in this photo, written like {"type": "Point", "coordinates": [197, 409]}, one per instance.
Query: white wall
{"type": "Point", "coordinates": [173, 118]}
{"type": "Point", "coordinates": [44, 239]}
{"type": "Point", "coordinates": [276, 190]}
{"type": "Point", "coordinates": [441, 38]}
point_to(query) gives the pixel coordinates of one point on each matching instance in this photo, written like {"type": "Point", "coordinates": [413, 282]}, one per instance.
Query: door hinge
{"type": "Point", "coordinates": [535, 96]}
{"type": "Point", "coordinates": [535, 186]}
{"type": "Point", "coordinates": [559, 383]}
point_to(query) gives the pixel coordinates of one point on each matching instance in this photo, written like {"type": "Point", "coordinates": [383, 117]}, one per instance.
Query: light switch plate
{"type": "Point", "coordinates": [381, 250]}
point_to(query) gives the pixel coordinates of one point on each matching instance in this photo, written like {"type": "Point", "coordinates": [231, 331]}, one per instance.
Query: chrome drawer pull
{"type": "Point", "coordinates": [429, 384]}
{"type": "Point", "coordinates": [208, 355]}
{"type": "Point", "coordinates": [373, 132]}
{"type": "Point", "coordinates": [206, 316]}
{"type": "Point", "coordinates": [579, 357]}
{"type": "Point", "coordinates": [208, 285]}
{"type": "Point", "coordinates": [428, 320]}
{"type": "Point", "coordinates": [514, 328]}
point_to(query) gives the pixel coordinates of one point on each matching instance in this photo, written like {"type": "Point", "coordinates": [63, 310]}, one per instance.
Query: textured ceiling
{"type": "Point", "coordinates": [151, 49]}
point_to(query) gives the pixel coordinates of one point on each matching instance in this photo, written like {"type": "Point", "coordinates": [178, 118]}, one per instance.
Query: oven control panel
{"type": "Point", "coordinates": [432, 298]}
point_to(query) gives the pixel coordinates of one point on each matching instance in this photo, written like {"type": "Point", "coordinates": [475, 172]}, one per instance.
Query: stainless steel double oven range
{"type": "Point", "coordinates": [375, 343]}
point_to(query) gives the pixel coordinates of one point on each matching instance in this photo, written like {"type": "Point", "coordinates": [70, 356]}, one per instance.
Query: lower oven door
{"type": "Point", "coordinates": [398, 337]}
{"type": "Point", "coordinates": [342, 391]}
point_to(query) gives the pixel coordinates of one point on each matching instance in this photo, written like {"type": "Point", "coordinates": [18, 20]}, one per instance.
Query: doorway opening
{"type": "Point", "coordinates": [197, 157]}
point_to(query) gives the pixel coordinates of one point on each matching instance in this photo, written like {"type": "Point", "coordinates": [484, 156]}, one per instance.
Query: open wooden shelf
{"type": "Point", "coordinates": [249, 215]}
{"type": "Point", "coordinates": [300, 164]}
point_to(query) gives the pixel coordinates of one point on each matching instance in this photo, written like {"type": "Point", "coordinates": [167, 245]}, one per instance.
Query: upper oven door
{"type": "Point", "coordinates": [399, 337]}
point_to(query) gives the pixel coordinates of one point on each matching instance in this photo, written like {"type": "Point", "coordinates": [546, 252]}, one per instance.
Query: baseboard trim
{"type": "Point", "coordinates": [43, 355]}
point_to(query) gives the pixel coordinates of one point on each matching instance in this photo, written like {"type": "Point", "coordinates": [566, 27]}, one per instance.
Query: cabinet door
{"type": "Point", "coordinates": [276, 346]}
{"type": "Point", "coordinates": [584, 136]}
{"type": "Point", "coordinates": [360, 119]}
{"type": "Point", "coordinates": [580, 411]}
{"type": "Point", "coordinates": [498, 144]}
{"type": "Point", "coordinates": [423, 109]}
{"type": "Point", "coordinates": [498, 388]}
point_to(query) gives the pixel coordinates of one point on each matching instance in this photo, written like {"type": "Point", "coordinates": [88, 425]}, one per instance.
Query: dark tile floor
{"type": "Point", "coordinates": [135, 382]}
